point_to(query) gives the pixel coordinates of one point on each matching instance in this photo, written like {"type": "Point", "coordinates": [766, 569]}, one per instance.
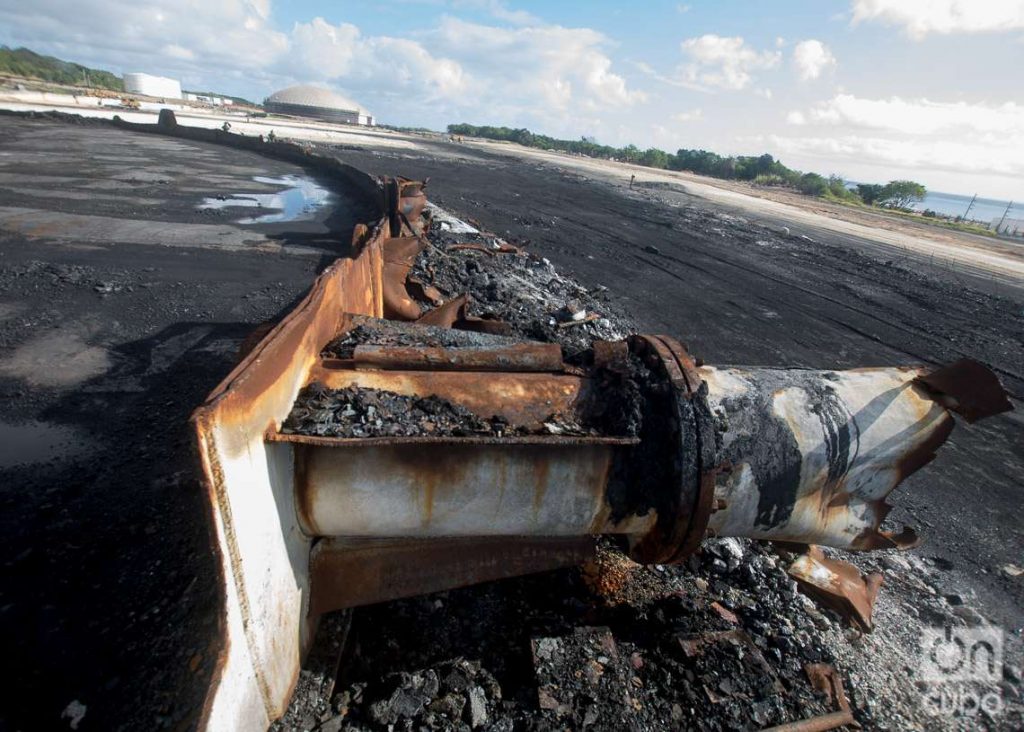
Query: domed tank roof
{"type": "Point", "coordinates": [307, 95]}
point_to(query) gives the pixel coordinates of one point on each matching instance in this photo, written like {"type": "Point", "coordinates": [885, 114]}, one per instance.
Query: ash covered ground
{"type": "Point", "coordinates": [111, 335]}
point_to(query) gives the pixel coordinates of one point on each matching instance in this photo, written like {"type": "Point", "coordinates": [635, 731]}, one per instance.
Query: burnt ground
{"type": "Point", "coordinates": [112, 335]}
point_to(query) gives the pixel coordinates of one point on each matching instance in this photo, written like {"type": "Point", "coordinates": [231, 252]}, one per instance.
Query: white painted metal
{"type": "Point", "coordinates": [479, 490]}
{"type": "Point", "coordinates": [888, 417]}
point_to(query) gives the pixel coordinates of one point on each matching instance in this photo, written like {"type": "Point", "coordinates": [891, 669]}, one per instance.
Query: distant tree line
{"type": "Point", "coordinates": [759, 169]}
{"type": "Point", "coordinates": [31, 65]}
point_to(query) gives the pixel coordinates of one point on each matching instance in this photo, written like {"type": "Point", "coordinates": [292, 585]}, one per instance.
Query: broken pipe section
{"type": "Point", "coordinates": [810, 456]}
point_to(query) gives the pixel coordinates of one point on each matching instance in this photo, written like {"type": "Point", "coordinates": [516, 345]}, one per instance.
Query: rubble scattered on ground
{"type": "Point", "coordinates": [392, 333]}
{"type": "Point", "coordinates": [659, 653]}
{"type": "Point", "coordinates": [518, 288]}
{"type": "Point", "coordinates": [359, 412]}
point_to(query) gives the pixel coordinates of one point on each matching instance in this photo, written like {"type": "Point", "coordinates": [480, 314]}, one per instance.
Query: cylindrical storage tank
{"type": "Point", "coordinates": [152, 86]}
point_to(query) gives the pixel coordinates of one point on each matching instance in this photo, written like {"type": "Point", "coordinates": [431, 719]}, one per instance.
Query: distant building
{"type": "Point", "coordinates": [318, 103]}
{"type": "Point", "coordinates": [152, 86]}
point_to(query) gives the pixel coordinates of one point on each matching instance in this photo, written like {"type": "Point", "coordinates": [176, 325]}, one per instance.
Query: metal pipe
{"type": "Point", "coordinates": [812, 455]}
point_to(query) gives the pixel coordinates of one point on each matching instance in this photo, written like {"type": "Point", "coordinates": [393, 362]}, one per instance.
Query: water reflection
{"type": "Point", "coordinates": [299, 201]}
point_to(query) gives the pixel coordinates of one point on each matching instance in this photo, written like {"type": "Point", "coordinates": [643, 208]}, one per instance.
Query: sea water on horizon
{"type": "Point", "coordinates": [984, 209]}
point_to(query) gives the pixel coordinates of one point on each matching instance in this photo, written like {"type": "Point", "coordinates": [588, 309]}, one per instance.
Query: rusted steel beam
{"type": "Point", "coordinates": [348, 573]}
{"type": "Point", "coordinates": [826, 680]}
{"type": "Point", "coordinates": [399, 256]}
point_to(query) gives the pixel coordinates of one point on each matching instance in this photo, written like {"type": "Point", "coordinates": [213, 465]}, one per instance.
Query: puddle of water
{"type": "Point", "coordinates": [299, 201]}
{"type": "Point", "coordinates": [30, 443]}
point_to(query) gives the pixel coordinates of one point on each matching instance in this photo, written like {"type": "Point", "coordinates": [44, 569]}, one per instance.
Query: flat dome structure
{"type": "Point", "coordinates": [317, 102]}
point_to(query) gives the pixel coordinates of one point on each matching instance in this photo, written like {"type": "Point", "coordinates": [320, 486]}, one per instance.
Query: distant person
{"type": "Point", "coordinates": [631, 179]}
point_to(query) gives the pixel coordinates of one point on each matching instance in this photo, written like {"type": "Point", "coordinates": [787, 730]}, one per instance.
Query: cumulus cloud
{"type": "Point", "coordinates": [916, 116]}
{"type": "Point", "coordinates": [919, 18]}
{"type": "Point", "coordinates": [499, 10]}
{"type": "Point", "coordinates": [811, 58]}
{"type": "Point", "coordinates": [999, 157]}
{"type": "Point", "coordinates": [340, 53]}
{"type": "Point", "coordinates": [912, 135]}
{"type": "Point", "coordinates": [554, 66]}
{"type": "Point", "coordinates": [518, 69]}
{"type": "Point", "coordinates": [691, 115]}
{"type": "Point", "coordinates": [231, 33]}
{"type": "Point", "coordinates": [724, 62]}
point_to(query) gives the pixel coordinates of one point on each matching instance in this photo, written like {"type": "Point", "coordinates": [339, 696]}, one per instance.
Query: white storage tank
{"type": "Point", "coordinates": [319, 103]}
{"type": "Point", "coordinates": [152, 86]}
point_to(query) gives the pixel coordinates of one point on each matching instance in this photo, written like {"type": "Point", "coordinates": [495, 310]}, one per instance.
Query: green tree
{"type": "Point", "coordinates": [812, 184]}
{"type": "Point", "coordinates": [902, 193]}
{"type": "Point", "coordinates": [654, 158]}
{"type": "Point", "coordinates": [26, 63]}
{"type": "Point", "coordinates": [870, 193]}
{"type": "Point", "coordinates": [630, 153]}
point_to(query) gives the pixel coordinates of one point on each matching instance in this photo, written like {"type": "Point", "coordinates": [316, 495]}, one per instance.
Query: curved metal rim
{"type": "Point", "coordinates": [676, 536]}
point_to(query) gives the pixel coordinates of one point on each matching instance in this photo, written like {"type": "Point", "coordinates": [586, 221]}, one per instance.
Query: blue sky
{"type": "Point", "coordinates": [870, 89]}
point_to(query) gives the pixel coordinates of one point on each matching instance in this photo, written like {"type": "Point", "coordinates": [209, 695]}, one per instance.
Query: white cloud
{"type": "Point", "coordinates": [547, 66]}
{"type": "Point", "coordinates": [325, 52]}
{"type": "Point", "coordinates": [724, 62]}
{"type": "Point", "coordinates": [918, 18]}
{"type": "Point", "coordinates": [220, 34]}
{"type": "Point", "coordinates": [916, 116]}
{"type": "Point", "coordinates": [519, 71]}
{"type": "Point", "coordinates": [1003, 157]}
{"type": "Point", "coordinates": [913, 137]}
{"type": "Point", "coordinates": [499, 10]}
{"type": "Point", "coordinates": [811, 58]}
{"type": "Point", "coordinates": [691, 115]}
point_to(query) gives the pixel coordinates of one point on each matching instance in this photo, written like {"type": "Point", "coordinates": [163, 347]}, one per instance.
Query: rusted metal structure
{"type": "Point", "coordinates": [305, 524]}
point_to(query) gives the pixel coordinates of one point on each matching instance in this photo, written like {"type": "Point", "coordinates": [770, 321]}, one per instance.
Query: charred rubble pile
{"type": "Point", "coordinates": [522, 290]}
{"type": "Point", "coordinates": [724, 642]}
